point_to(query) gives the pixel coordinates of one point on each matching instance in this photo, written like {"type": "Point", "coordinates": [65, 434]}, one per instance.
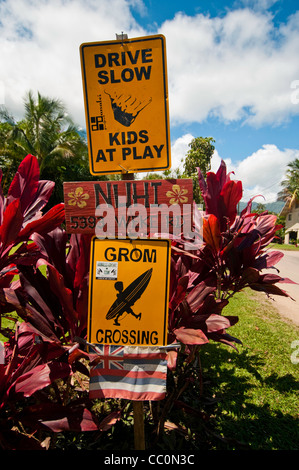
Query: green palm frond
{"type": "Point", "coordinates": [290, 185]}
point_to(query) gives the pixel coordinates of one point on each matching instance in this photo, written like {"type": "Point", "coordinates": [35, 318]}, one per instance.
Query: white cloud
{"type": "Point", "coordinates": [238, 67]}
{"type": "Point", "coordinates": [179, 150]}
{"type": "Point", "coordinates": [261, 173]}
{"type": "Point", "coordinates": [39, 45]}
{"type": "Point", "coordinates": [259, 4]}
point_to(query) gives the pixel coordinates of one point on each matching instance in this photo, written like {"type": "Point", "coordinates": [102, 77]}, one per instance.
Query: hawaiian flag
{"type": "Point", "coordinates": [110, 357]}
{"type": "Point", "coordinates": [129, 372]}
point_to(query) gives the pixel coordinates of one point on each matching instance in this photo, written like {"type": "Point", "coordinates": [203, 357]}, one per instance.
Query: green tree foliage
{"type": "Point", "coordinates": [260, 208]}
{"type": "Point", "coordinates": [199, 156]}
{"type": "Point", "coordinates": [47, 132]}
{"type": "Point", "coordinates": [290, 186]}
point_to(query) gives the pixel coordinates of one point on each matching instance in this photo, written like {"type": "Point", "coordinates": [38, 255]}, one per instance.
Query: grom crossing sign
{"type": "Point", "coordinates": [128, 292]}
{"type": "Point", "coordinates": [126, 105]}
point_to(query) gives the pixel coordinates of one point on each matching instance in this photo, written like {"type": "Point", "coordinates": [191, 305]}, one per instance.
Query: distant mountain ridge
{"type": "Point", "coordinates": [275, 207]}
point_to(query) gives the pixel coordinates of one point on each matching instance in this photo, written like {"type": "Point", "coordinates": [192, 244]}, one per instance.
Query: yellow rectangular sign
{"type": "Point", "coordinates": [126, 105]}
{"type": "Point", "coordinates": [128, 293]}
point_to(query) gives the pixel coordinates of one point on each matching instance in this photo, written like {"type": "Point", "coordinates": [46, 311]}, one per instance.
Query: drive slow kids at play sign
{"type": "Point", "coordinates": [126, 105]}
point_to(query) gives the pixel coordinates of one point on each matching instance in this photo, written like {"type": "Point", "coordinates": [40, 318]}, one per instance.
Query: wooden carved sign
{"type": "Point", "coordinates": [133, 209]}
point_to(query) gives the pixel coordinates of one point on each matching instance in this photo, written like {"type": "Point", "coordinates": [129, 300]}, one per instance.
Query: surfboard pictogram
{"type": "Point", "coordinates": [126, 298]}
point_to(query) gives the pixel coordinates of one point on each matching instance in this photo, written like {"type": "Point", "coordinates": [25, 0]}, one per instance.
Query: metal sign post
{"type": "Point", "coordinates": [127, 120]}
{"type": "Point", "coordinates": [138, 406]}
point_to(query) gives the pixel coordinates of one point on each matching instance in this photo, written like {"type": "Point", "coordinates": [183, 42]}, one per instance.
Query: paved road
{"type": "Point", "coordinates": [289, 267]}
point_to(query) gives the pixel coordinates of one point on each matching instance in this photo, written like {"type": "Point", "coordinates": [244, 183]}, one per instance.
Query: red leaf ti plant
{"type": "Point", "coordinates": [232, 257]}
{"type": "Point", "coordinates": [44, 279]}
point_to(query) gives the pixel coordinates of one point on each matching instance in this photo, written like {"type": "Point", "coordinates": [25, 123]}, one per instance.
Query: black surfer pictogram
{"type": "Point", "coordinates": [126, 298]}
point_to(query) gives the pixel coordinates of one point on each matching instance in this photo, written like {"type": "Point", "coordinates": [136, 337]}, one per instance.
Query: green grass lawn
{"type": "Point", "coordinates": [256, 388]}
{"type": "Point", "coordinates": [283, 246]}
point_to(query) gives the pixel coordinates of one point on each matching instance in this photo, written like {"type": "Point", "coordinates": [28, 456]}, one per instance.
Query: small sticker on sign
{"type": "Point", "coordinates": [106, 270]}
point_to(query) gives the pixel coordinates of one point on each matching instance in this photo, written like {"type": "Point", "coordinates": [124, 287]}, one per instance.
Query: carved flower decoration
{"type": "Point", "coordinates": [78, 197]}
{"type": "Point", "coordinates": [177, 195]}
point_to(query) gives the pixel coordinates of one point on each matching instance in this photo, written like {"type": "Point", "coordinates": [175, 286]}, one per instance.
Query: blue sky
{"type": "Point", "coordinates": [158, 11]}
{"type": "Point", "coordinates": [233, 71]}
{"type": "Point", "coordinates": [228, 137]}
